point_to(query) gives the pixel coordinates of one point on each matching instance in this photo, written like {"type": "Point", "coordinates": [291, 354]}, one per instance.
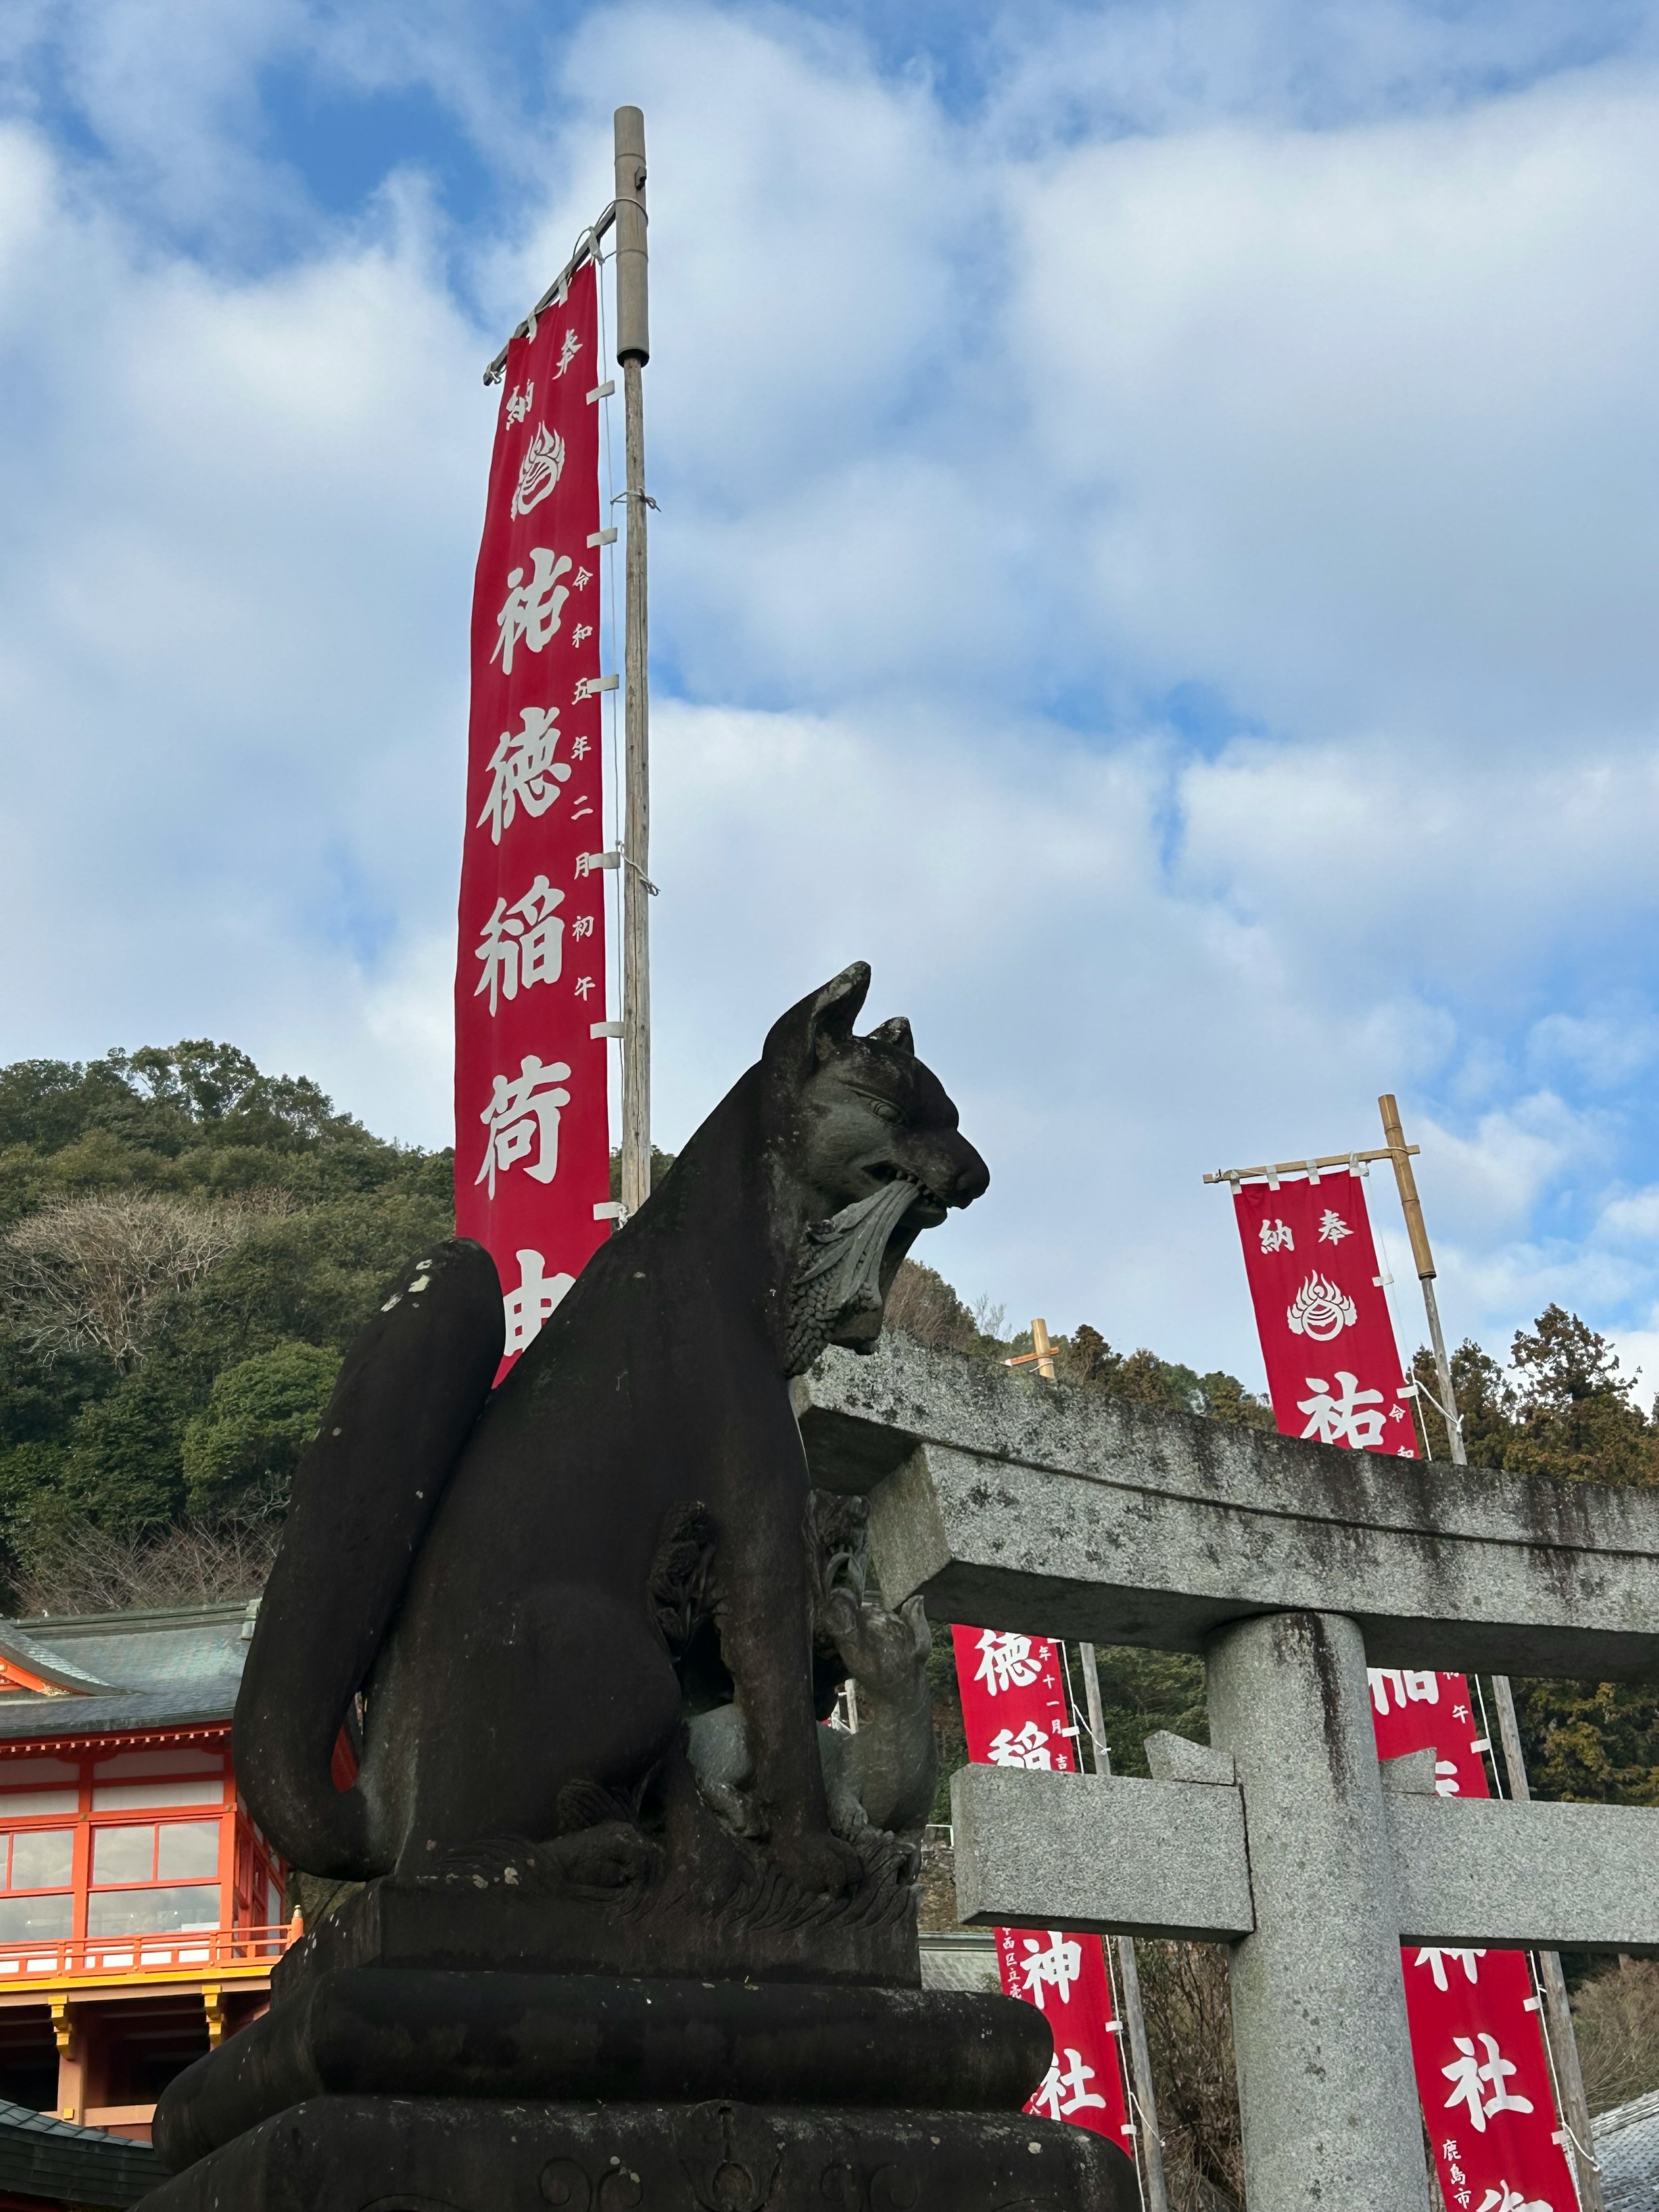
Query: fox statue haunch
{"type": "Point", "coordinates": [524, 1582]}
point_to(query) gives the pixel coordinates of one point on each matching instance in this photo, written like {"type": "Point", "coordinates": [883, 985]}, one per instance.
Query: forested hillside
{"type": "Point", "coordinates": [187, 1245]}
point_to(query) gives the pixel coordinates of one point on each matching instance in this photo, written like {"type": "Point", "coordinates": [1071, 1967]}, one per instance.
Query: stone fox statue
{"type": "Point", "coordinates": [509, 1577]}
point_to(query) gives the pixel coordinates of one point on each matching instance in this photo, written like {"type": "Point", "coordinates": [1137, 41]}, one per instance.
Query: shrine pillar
{"type": "Point", "coordinates": [1324, 2081]}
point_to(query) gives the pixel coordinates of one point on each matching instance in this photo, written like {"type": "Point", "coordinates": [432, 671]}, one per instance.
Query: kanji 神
{"type": "Point", "coordinates": [531, 611]}
{"type": "Point", "coordinates": [523, 943]}
{"type": "Point", "coordinates": [1066, 2089]}
{"type": "Point", "coordinates": [539, 470]}
{"type": "Point", "coordinates": [1029, 1748]}
{"type": "Point", "coordinates": [1331, 1227]}
{"type": "Point", "coordinates": [523, 771]}
{"type": "Point", "coordinates": [1467, 2075]}
{"type": "Point", "coordinates": [529, 1306]}
{"type": "Point", "coordinates": [1434, 1961]}
{"type": "Point", "coordinates": [522, 1118]}
{"type": "Point", "coordinates": [1055, 1968]}
{"type": "Point", "coordinates": [570, 347]}
{"type": "Point", "coordinates": [1408, 1688]}
{"type": "Point", "coordinates": [1349, 1419]}
{"type": "Point", "coordinates": [1276, 1236]}
{"type": "Point", "coordinates": [582, 925]}
{"type": "Point", "coordinates": [517, 404]}
{"type": "Point", "coordinates": [1006, 1663]}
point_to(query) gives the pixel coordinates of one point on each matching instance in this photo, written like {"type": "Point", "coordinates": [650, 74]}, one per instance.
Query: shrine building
{"type": "Point", "coordinates": [141, 1910]}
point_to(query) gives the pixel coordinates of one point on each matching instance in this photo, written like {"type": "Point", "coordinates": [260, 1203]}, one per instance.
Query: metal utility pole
{"type": "Point", "coordinates": [633, 351]}
{"type": "Point", "coordinates": [1562, 2042]}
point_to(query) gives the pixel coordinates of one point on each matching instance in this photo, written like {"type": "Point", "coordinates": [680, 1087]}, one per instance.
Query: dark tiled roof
{"type": "Point", "coordinates": [1627, 2152]}
{"type": "Point", "coordinates": [126, 1670]}
{"type": "Point", "coordinates": [40, 2156]}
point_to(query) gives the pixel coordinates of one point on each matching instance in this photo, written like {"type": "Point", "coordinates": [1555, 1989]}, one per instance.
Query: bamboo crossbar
{"type": "Point", "coordinates": [1304, 1167]}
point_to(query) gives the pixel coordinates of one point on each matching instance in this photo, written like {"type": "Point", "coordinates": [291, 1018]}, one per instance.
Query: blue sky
{"type": "Point", "coordinates": [1158, 552]}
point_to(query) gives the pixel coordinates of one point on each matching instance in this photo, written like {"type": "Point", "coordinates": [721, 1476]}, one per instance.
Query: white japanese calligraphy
{"type": "Point", "coordinates": [1066, 2089]}
{"type": "Point", "coordinates": [1436, 1962]}
{"type": "Point", "coordinates": [1331, 1227]}
{"type": "Point", "coordinates": [569, 348]}
{"type": "Point", "coordinates": [518, 404]}
{"type": "Point", "coordinates": [584, 987]}
{"type": "Point", "coordinates": [1276, 1236]}
{"type": "Point", "coordinates": [582, 925]}
{"type": "Point", "coordinates": [1055, 1968]}
{"type": "Point", "coordinates": [1408, 1688]}
{"type": "Point", "coordinates": [1505, 2199]}
{"type": "Point", "coordinates": [582, 631]}
{"type": "Point", "coordinates": [1467, 2075]}
{"type": "Point", "coordinates": [582, 577]}
{"type": "Point", "coordinates": [1029, 1748]}
{"type": "Point", "coordinates": [523, 771]}
{"type": "Point", "coordinates": [1006, 1663]}
{"type": "Point", "coordinates": [1340, 1420]}
{"type": "Point", "coordinates": [523, 943]}
{"type": "Point", "coordinates": [539, 470]}
{"type": "Point", "coordinates": [531, 611]}
{"type": "Point", "coordinates": [522, 1118]}
{"type": "Point", "coordinates": [529, 1306]}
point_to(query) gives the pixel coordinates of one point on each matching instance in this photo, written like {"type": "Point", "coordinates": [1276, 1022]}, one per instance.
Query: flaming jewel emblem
{"type": "Point", "coordinates": [1320, 1311]}
{"type": "Point", "coordinates": [542, 467]}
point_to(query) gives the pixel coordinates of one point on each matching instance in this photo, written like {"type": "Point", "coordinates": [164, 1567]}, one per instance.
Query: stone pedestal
{"type": "Point", "coordinates": [467, 2155]}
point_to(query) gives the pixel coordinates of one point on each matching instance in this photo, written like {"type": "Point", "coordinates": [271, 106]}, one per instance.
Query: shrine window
{"type": "Point", "coordinates": [153, 1877]}
{"type": "Point", "coordinates": [37, 1898]}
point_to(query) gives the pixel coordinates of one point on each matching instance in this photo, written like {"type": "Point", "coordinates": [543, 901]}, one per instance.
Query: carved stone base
{"type": "Point", "coordinates": [460, 2155]}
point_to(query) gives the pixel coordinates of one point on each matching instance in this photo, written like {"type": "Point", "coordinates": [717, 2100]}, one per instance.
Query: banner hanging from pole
{"type": "Point", "coordinates": [1335, 1375]}
{"type": "Point", "coordinates": [1014, 1713]}
{"type": "Point", "coordinates": [531, 1117]}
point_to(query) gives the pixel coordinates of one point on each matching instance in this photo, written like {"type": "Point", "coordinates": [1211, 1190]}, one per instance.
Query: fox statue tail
{"type": "Point", "coordinates": [409, 1394]}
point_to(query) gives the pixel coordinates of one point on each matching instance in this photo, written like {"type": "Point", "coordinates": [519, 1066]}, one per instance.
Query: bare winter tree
{"type": "Point", "coordinates": [83, 1274]}
{"type": "Point", "coordinates": [99, 1570]}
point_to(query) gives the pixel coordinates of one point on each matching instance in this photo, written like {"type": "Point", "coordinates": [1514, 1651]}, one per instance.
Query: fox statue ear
{"type": "Point", "coordinates": [894, 1032]}
{"type": "Point", "coordinates": [820, 1025]}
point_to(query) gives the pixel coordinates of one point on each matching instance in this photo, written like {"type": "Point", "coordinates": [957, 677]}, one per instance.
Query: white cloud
{"type": "Point", "coordinates": [969, 434]}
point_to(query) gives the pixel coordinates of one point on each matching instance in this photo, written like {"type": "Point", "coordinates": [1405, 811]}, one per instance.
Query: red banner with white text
{"type": "Point", "coordinates": [1482, 2070]}
{"type": "Point", "coordinates": [532, 1119]}
{"type": "Point", "coordinates": [1333, 1367]}
{"type": "Point", "coordinates": [1335, 1375]}
{"type": "Point", "coordinates": [1014, 1713]}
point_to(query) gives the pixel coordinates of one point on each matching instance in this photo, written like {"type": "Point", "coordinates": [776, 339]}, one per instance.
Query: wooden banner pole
{"type": "Point", "coordinates": [633, 351]}
{"type": "Point", "coordinates": [1562, 2042]}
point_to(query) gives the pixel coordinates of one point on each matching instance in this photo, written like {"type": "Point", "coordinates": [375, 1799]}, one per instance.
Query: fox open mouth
{"type": "Point", "coordinates": [926, 1210]}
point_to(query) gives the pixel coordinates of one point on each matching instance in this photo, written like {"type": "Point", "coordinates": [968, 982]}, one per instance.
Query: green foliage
{"type": "Point", "coordinates": [212, 1408]}
{"type": "Point", "coordinates": [260, 1416]}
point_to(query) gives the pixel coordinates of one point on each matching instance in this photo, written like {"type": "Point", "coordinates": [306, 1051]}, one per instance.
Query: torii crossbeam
{"type": "Point", "coordinates": [1289, 1566]}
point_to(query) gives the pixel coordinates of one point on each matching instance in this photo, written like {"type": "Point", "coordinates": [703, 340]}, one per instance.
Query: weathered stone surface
{"type": "Point", "coordinates": [409, 2155]}
{"type": "Point", "coordinates": [1529, 1876]}
{"type": "Point", "coordinates": [1065, 1512]}
{"type": "Point", "coordinates": [1325, 2083]}
{"type": "Point", "coordinates": [1053, 1849]}
{"type": "Point", "coordinates": [1172, 1758]}
{"type": "Point", "coordinates": [392, 2032]}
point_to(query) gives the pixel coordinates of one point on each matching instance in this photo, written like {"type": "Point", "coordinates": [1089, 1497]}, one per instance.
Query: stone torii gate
{"type": "Point", "coordinates": [1290, 1567]}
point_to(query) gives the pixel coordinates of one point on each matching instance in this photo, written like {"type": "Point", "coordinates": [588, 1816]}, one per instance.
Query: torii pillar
{"type": "Point", "coordinates": [1290, 1567]}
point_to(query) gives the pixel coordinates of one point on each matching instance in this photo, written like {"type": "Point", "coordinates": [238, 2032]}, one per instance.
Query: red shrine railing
{"type": "Point", "coordinates": [208, 1950]}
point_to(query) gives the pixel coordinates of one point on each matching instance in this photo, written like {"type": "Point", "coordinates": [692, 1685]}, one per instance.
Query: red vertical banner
{"type": "Point", "coordinates": [531, 1117]}
{"type": "Point", "coordinates": [1014, 1713]}
{"type": "Point", "coordinates": [1332, 1366]}
{"type": "Point", "coordinates": [1482, 2070]}
{"type": "Point", "coordinates": [1335, 1375]}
